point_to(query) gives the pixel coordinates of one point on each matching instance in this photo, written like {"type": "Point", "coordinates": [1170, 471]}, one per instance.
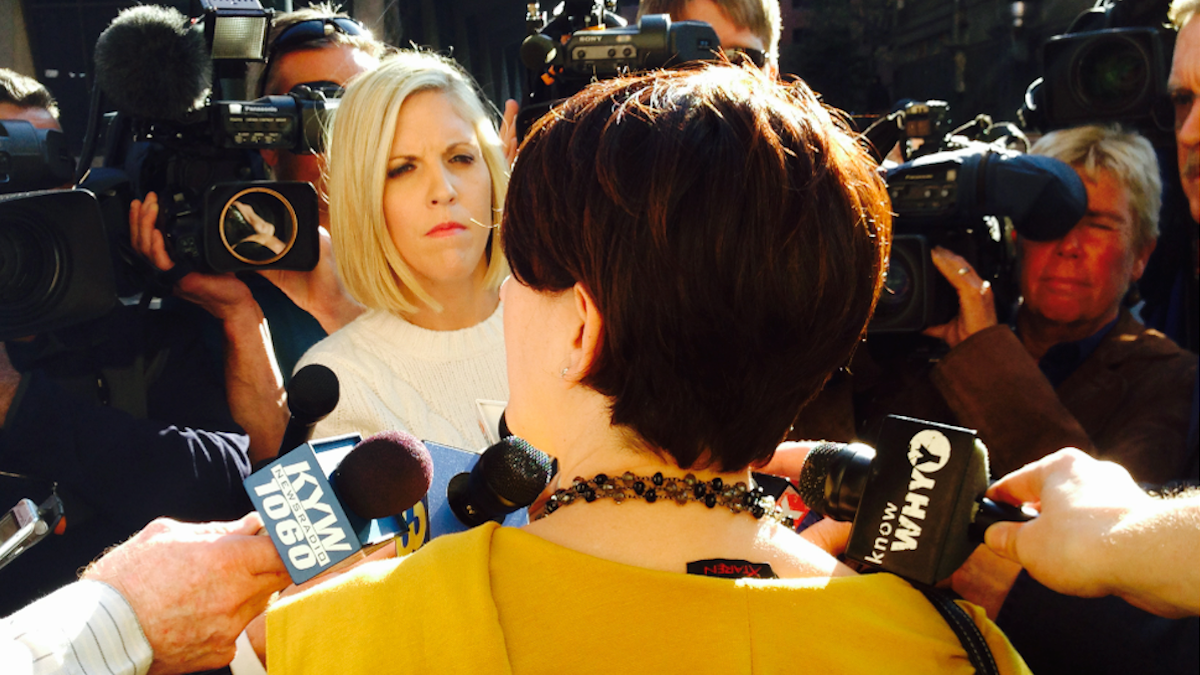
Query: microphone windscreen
{"type": "Point", "coordinates": [815, 474]}
{"type": "Point", "coordinates": [313, 393]}
{"type": "Point", "coordinates": [151, 63]}
{"type": "Point", "coordinates": [515, 471]}
{"type": "Point", "coordinates": [384, 474]}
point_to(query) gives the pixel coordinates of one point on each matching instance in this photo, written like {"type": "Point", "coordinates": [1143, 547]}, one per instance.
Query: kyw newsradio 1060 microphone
{"type": "Point", "coordinates": [319, 518]}
{"type": "Point", "coordinates": [916, 503]}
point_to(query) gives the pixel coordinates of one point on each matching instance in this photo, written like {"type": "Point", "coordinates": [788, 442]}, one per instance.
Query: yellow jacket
{"type": "Point", "coordinates": [499, 600]}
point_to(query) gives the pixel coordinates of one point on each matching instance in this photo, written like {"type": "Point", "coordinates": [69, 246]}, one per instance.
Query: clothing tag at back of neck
{"type": "Point", "coordinates": [731, 569]}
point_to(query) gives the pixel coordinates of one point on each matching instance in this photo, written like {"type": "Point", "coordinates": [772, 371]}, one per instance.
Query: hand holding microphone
{"type": "Point", "coordinates": [317, 522]}
{"type": "Point", "coordinates": [917, 504]}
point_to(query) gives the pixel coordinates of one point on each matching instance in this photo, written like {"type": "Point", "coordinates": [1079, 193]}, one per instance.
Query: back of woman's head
{"type": "Point", "coordinates": [357, 150]}
{"type": "Point", "coordinates": [734, 239]}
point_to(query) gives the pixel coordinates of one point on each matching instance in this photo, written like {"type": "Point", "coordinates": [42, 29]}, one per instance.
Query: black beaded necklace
{"type": "Point", "coordinates": [738, 497]}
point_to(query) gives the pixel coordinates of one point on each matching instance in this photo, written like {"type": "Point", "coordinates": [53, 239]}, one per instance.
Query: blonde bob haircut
{"type": "Point", "coordinates": [357, 148]}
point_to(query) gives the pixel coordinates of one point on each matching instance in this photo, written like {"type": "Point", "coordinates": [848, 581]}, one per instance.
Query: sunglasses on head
{"type": "Point", "coordinates": [756, 56]}
{"type": "Point", "coordinates": [315, 29]}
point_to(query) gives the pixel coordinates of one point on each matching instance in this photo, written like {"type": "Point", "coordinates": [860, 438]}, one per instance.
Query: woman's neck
{"type": "Point", "coordinates": [665, 535]}
{"type": "Point", "coordinates": [467, 305]}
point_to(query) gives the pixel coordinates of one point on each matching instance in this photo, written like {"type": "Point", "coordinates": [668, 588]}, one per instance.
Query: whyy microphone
{"type": "Point", "coordinates": [917, 503]}
{"type": "Point", "coordinates": [317, 522]}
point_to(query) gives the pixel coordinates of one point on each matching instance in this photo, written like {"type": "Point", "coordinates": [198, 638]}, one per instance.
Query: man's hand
{"type": "Point", "coordinates": [976, 306]}
{"type": "Point", "coordinates": [253, 384]}
{"type": "Point", "coordinates": [508, 131]}
{"type": "Point", "coordinates": [1100, 534]}
{"type": "Point", "coordinates": [985, 579]}
{"type": "Point", "coordinates": [9, 379]}
{"type": "Point", "coordinates": [194, 587]}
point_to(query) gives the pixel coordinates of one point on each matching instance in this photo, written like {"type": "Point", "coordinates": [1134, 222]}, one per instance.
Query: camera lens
{"type": "Point", "coordinates": [897, 287]}
{"type": "Point", "coordinates": [258, 226]}
{"type": "Point", "coordinates": [30, 267]}
{"type": "Point", "coordinates": [1112, 74]}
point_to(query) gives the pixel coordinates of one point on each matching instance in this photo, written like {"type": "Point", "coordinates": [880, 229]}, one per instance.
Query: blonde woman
{"type": "Point", "coordinates": [416, 182]}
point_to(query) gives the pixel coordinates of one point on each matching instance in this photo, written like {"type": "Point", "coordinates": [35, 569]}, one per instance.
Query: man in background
{"type": "Point", "coordinates": [749, 26]}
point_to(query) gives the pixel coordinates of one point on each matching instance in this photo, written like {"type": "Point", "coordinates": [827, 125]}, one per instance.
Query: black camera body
{"type": "Point", "coordinates": [199, 146]}
{"type": "Point", "coordinates": [248, 225]}
{"type": "Point", "coordinates": [32, 158]}
{"type": "Point", "coordinates": [934, 200]}
{"type": "Point", "coordinates": [55, 265]}
{"type": "Point", "coordinates": [973, 199]}
{"type": "Point", "coordinates": [586, 42]}
{"type": "Point", "coordinates": [1111, 65]}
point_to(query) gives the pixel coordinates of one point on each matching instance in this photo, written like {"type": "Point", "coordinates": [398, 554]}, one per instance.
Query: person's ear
{"type": "Point", "coordinates": [1139, 263]}
{"type": "Point", "coordinates": [587, 338]}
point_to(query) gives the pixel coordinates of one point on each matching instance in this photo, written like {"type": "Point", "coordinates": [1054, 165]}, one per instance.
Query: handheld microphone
{"type": "Point", "coordinates": [495, 485]}
{"type": "Point", "coordinates": [151, 62]}
{"type": "Point", "coordinates": [311, 395]}
{"type": "Point", "coordinates": [508, 476]}
{"type": "Point", "coordinates": [316, 522]}
{"type": "Point", "coordinates": [916, 504]}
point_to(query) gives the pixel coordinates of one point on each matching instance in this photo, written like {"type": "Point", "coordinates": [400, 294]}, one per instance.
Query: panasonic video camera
{"type": "Point", "coordinates": [968, 192]}
{"type": "Point", "coordinates": [184, 131]}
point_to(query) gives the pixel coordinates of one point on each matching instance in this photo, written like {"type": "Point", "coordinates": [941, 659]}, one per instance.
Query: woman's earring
{"type": "Point", "coordinates": [486, 227]}
{"type": "Point", "coordinates": [563, 374]}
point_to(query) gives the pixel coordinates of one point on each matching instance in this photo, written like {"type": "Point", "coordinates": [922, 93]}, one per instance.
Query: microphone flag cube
{"type": "Point", "coordinates": [308, 525]}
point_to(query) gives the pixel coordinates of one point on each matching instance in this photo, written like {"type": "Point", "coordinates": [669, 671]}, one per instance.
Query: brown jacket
{"type": "Point", "coordinates": [1129, 402]}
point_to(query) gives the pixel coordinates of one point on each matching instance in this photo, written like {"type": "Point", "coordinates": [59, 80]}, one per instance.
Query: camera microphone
{"type": "Point", "coordinates": [916, 504]}
{"type": "Point", "coordinates": [151, 62]}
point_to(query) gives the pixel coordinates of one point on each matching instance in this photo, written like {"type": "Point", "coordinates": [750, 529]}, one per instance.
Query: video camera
{"type": "Point", "coordinates": [586, 40]}
{"type": "Point", "coordinates": [173, 134]}
{"type": "Point", "coordinates": [54, 265]}
{"type": "Point", "coordinates": [184, 131]}
{"type": "Point", "coordinates": [1111, 65]}
{"type": "Point", "coordinates": [965, 191]}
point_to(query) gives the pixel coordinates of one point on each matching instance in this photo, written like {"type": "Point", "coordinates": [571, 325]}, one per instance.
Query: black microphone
{"type": "Point", "coordinates": [311, 395]}
{"type": "Point", "coordinates": [317, 522]}
{"type": "Point", "coordinates": [917, 502]}
{"type": "Point", "coordinates": [151, 62]}
{"type": "Point", "coordinates": [508, 476]}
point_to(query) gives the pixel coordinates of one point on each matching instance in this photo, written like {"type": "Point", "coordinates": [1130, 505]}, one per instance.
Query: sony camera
{"type": "Point", "coordinates": [184, 131]}
{"type": "Point", "coordinates": [586, 41]}
{"type": "Point", "coordinates": [1111, 65]}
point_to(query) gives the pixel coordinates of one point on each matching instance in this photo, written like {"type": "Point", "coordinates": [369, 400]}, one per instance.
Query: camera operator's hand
{"type": "Point", "coordinates": [253, 384]}
{"type": "Point", "coordinates": [976, 306]}
{"type": "Point", "coordinates": [508, 131]}
{"type": "Point", "coordinates": [9, 379]}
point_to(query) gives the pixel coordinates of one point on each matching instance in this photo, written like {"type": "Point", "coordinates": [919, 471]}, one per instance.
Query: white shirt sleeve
{"type": "Point", "coordinates": [84, 628]}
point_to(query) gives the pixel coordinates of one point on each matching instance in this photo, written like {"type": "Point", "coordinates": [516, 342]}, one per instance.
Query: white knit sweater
{"type": "Point", "coordinates": [395, 375]}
